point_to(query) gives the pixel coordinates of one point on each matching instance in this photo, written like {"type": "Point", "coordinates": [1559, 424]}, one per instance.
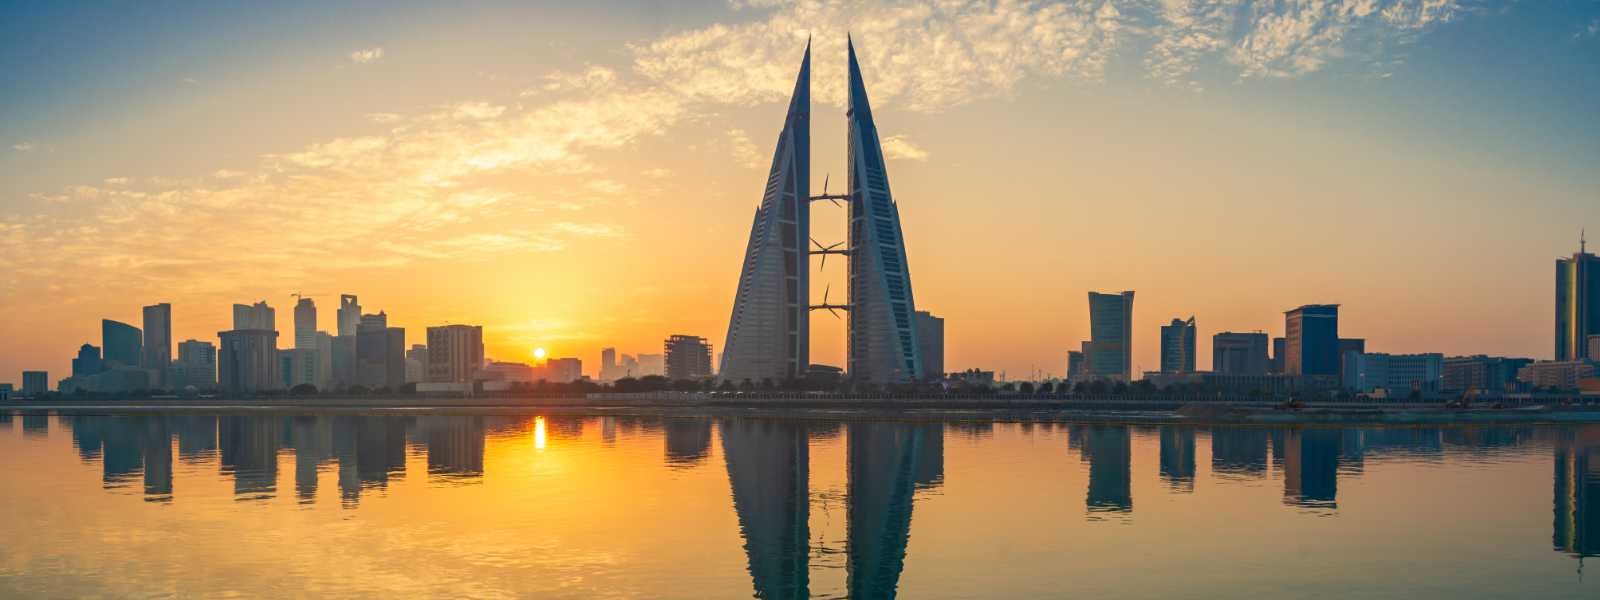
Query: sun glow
{"type": "Point", "coordinates": [538, 354]}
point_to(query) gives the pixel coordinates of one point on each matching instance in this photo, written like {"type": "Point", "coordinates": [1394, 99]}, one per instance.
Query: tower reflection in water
{"type": "Point", "coordinates": [768, 466]}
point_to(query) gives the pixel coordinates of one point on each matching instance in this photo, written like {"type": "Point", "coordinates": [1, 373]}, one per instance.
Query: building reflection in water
{"type": "Point", "coordinates": [1109, 451]}
{"type": "Point", "coordinates": [768, 464]}
{"type": "Point", "coordinates": [768, 471]}
{"type": "Point", "coordinates": [1177, 457]}
{"type": "Point", "coordinates": [1576, 529]}
{"type": "Point", "coordinates": [688, 441]}
{"type": "Point", "coordinates": [1239, 451]}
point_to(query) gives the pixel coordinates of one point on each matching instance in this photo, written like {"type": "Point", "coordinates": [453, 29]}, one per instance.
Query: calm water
{"type": "Point", "coordinates": [528, 506]}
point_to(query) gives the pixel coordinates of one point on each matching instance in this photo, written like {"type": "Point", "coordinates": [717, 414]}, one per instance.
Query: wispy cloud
{"type": "Point", "coordinates": [1588, 31]}
{"type": "Point", "coordinates": [743, 150]}
{"type": "Point", "coordinates": [900, 147]}
{"type": "Point", "coordinates": [23, 147]}
{"type": "Point", "coordinates": [366, 55]}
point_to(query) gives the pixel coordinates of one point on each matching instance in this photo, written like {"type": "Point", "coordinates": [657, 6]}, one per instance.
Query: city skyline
{"type": "Point", "coordinates": [574, 239]}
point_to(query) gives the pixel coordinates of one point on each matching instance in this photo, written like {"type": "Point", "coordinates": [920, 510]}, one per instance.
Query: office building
{"type": "Point", "coordinates": [247, 361]}
{"type": "Point", "coordinates": [608, 365]}
{"type": "Point", "coordinates": [349, 315]}
{"type": "Point", "coordinates": [88, 361]}
{"type": "Point", "coordinates": [1279, 346]}
{"type": "Point", "coordinates": [883, 345]}
{"type": "Point", "coordinates": [1239, 353]}
{"type": "Point", "coordinates": [1594, 348]}
{"type": "Point", "coordinates": [651, 364]}
{"type": "Point", "coordinates": [1347, 346]}
{"type": "Point", "coordinates": [1110, 348]}
{"type": "Point", "coordinates": [510, 372]}
{"type": "Point", "coordinates": [455, 353]}
{"type": "Point", "coordinates": [343, 362]}
{"type": "Point", "coordinates": [1178, 346]}
{"type": "Point", "coordinates": [768, 330]}
{"type": "Point", "coordinates": [1481, 373]}
{"type": "Point", "coordinates": [1311, 340]}
{"type": "Point", "coordinates": [305, 324]}
{"type": "Point", "coordinates": [380, 354]}
{"type": "Point", "coordinates": [1577, 303]}
{"type": "Point", "coordinates": [256, 316]}
{"type": "Point", "coordinates": [1399, 374]}
{"type": "Point", "coordinates": [1559, 375]}
{"type": "Point", "coordinates": [560, 370]}
{"type": "Point", "coordinates": [1075, 365]}
{"type": "Point", "coordinates": [158, 344]}
{"type": "Point", "coordinates": [417, 364]}
{"type": "Point", "coordinates": [123, 343]}
{"type": "Point", "coordinates": [930, 335]}
{"type": "Point", "coordinates": [35, 383]}
{"type": "Point", "coordinates": [196, 365]}
{"type": "Point", "coordinates": [297, 366]}
{"type": "Point", "coordinates": [688, 357]}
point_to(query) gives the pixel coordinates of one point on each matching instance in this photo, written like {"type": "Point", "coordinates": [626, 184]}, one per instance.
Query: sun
{"type": "Point", "coordinates": [538, 353]}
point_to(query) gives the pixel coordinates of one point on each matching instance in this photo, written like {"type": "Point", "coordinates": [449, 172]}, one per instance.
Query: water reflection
{"type": "Point", "coordinates": [890, 468]}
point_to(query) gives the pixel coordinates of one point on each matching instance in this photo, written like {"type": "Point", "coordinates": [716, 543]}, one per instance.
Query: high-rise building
{"type": "Point", "coordinates": [688, 357]}
{"type": "Point", "coordinates": [305, 324]}
{"type": "Point", "coordinates": [380, 353]}
{"type": "Point", "coordinates": [247, 361]}
{"type": "Point", "coordinates": [930, 335]}
{"type": "Point", "coordinates": [1110, 348]}
{"type": "Point", "coordinates": [1075, 365]}
{"type": "Point", "coordinates": [1350, 346]}
{"type": "Point", "coordinates": [297, 366]}
{"type": "Point", "coordinates": [1239, 353]}
{"type": "Point", "coordinates": [651, 364]}
{"type": "Point", "coordinates": [769, 329]}
{"type": "Point", "coordinates": [455, 353]}
{"type": "Point", "coordinates": [123, 343]}
{"type": "Point", "coordinates": [883, 344]}
{"type": "Point", "coordinates": [561, 370]}
{"type": "Point", "coordinates": [197, 365]}
{"type": "Point", "coordinates": [608, 364]}
{"type": "Point", "coordinates": [158, 344]}
{"type": "Point", "coordinates": [1178, 346]}
{"type": "Point", "coordinates": [88, 361]}
{"type": "Point", "coordinates": [417, 364]}
{"type": "Point", "coordinates": [1311, 335]}
{"type": "Point", "coordinates": [1577, 303]}
{"type": "Point", "coordinates": [343, 362]}
{"type": "Point", "coordinates": [255, 316]}
{"type": "Point", "coordinates": [35, 383]}
{"type": "Point", "coordinates": [349, 314]}
{"type": "Point", "coordinates": [1279, 347]}
{"type": "Point", "coordinates": [322, 344]}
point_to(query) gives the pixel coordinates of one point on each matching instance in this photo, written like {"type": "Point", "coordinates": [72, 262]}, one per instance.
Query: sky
{"type": "Point", "coordinates": [575, 176]}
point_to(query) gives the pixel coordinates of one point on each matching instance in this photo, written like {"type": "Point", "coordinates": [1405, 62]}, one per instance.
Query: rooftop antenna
{"type": "Point", "coordinates": [1583, 242]}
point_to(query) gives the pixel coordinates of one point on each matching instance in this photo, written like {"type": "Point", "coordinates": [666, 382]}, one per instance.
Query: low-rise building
{"type": "Point", "coordinates": [1557, 375]}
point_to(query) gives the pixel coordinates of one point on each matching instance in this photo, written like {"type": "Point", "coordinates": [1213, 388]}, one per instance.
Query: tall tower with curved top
{"type": "Point", "coordinates": [769, 332]}
{"type": "Point", "coordinates": [883, 336]}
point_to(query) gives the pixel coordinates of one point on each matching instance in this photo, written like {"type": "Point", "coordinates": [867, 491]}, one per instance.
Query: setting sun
{"type": "Point", "coordinates": [538, 353]}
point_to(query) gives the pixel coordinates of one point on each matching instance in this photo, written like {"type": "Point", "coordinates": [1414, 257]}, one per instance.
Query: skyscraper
{"type": "Point", "coordinates": [930, 335]}
{"type": "Point", "coordinates": [1178, 346]}
{"type": "Point", "coordinates": [158, 343]}
{"type": "Point", "coordinates": [88, 361]}
{"type": "Point", "coordinates": [349, 314]}
{"type": "Point", "coordinates": [256, 316]}
{"type": "Point", "coordinates": [455, 353]}
{"type": "Point", "coordinates": [122, 343]}
{"type": "Point", "coordinates": [1577, 303]}
{"type": "Point", "coordinates": [688, 357]}
{"type": "Point", "coordinates": [1311, 340]}
{"type": "Point", "coordinates": [197, 364]}
{"type": "Point", "coordinates": [883, 338]}
{"type": "Point", "coordinates": [1110, 348]}
{"type": "Point", "coordinates": [1239, 353]}
{"type": "Point", "coordinates": [305, 324]}
{"type": "Point", "coordinates": [247, 361]}
{"type": "Point", "coordinates": [769, 330]}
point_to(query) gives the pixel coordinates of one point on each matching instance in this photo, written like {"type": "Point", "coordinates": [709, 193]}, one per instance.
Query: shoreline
{"type": "Point", "coordinates": [1153, 411]}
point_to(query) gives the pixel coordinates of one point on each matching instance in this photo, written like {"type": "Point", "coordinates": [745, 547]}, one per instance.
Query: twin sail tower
{"type": "Point", "coordinates": [769, 330]}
